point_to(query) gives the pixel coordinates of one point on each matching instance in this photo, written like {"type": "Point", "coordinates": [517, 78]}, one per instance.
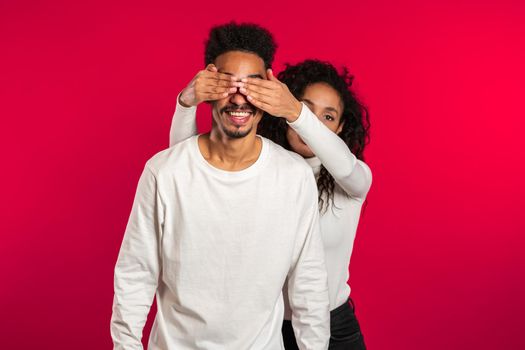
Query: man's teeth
{"type": "Point", "coordinates": [239, 114]}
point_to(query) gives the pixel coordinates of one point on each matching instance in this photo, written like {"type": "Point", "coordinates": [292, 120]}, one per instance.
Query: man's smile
{"type": "Point", "coordinates": [238, 116]}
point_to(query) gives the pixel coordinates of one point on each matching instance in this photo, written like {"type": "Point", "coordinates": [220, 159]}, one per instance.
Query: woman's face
{"type": "Point", "coordinates": [324, 101]}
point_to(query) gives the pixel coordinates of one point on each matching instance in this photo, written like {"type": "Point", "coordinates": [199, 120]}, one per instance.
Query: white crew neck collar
{"type": "Point", "coordinates": [240, 174]}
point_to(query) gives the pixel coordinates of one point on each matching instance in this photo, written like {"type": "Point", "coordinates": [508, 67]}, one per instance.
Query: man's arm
{"type": "Point", "coordinates": [307, 279]}
{"type": "Point", "coordinates": [138, 266]}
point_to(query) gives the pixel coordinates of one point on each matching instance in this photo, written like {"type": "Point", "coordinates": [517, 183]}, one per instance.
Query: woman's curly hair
{"type": "Point", "coordinates": [355, 131]}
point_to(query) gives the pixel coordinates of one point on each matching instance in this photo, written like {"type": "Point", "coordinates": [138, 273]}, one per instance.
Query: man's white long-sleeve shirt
{"type": "Point", "coordinates": [215, 247]}
{"type": "Point", "coordinates": [353, 179]}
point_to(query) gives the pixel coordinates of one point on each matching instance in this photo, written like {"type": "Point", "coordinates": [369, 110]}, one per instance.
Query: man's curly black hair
{"type": "Point", "coordinates": [355, 131]}
{"type": "Point", "coordinates": [244, 37]}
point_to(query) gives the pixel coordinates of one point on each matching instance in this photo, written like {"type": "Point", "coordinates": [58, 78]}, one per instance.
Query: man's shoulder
{"type": "Point", "coordinates": [169, 158]}
{"type": "Point", "coordinates": [287, 159]}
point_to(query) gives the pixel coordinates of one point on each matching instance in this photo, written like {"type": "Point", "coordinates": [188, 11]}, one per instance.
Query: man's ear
{"type": "Point", "coordinates": [270, 76]}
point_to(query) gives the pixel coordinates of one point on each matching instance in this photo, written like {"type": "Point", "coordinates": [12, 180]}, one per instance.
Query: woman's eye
{"type": "Point", "coordinates": [328, 117]}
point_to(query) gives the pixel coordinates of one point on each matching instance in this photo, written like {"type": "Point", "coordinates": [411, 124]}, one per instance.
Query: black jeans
{"type": "Point", "coordinates": [345, 333]}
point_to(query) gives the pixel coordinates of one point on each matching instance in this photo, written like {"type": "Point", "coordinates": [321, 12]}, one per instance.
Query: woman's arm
{"type": "Point", "coordinates": [353, 175]}
{"type": "Point", "coordinates": [183, 124]}
{"type": "Point", "coordinates": [274, 97]}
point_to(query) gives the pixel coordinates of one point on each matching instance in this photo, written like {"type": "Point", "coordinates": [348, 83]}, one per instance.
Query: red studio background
{"type": "Point", "coordinates": [87, 91]}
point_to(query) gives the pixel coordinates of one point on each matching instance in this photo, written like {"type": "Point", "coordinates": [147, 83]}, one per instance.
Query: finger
{"type": "Point", "coordinates": [260, 104]}
{"type": "Point", "coordinates": [249, 89]}
{"type": "Point", "coordinates": [215, 96]}
{"type": "Point", "coordinates": [220, 82]}
{"type": "Point", "coordinates": [215, 74]}
{"type": "Point", "coordinates": [220, 90]}
{"type": "Point", "coordinates": [260, 97]}
{"type": "Point", "coordinates": [221, 77]}
{"type": "Point", "coordinates": [211, 68]}
{"type": "Point", "coordinates": [259, 82]}
{"type": "Point", "coordinates": [208, 82]}
{"type": "Point", "coordinates": [268, 88]}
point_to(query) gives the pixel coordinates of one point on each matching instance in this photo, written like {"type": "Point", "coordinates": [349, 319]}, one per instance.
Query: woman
{"type": "Point", "coordinates": [323, 121]}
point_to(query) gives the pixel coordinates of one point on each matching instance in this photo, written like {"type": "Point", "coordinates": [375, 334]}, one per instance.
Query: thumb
{"type": "Point", "coordinates": [211, 67]}
{"type": "Point", "coordinates": [271, 77]}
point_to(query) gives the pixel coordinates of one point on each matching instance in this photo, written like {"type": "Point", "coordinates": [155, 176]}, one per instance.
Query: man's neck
{"type": "Point", "coordinates": [227, 153]}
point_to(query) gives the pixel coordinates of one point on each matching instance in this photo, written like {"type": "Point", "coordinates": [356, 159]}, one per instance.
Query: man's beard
{"type": "Point", "coordinates": [238, 134]}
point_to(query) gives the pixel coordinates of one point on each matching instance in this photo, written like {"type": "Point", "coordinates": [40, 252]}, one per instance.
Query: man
{"type": "Point", "coordinates": [200, 236]}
